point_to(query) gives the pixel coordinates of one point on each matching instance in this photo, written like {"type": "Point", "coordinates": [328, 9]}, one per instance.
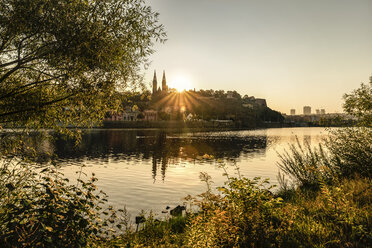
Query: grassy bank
{"type": "Point", "coordinates": [335, 215]}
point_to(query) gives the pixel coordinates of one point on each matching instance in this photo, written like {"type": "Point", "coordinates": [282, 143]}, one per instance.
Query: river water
{"type": "Point", "coordinates": [152, 169]}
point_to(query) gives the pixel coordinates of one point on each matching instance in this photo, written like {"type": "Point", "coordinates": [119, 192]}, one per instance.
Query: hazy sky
{"type": "Point", "coordinates": [291, 52]}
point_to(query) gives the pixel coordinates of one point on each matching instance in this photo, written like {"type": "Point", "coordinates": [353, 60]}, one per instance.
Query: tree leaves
{"type": "Point", "coordinates": [359, 103]}
{"type": "Point", "coordinates": [62, 61]}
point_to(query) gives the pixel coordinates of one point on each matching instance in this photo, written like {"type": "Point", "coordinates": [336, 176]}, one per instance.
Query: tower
{"type": "Point", "coordinates": [164, 83]}
{"type": "Point", "coordinates": [307, 110]}
{"type": "Point", "coordinates": [154, 84]}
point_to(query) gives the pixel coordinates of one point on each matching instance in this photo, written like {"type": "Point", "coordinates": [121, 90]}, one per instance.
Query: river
{"type": "Point", "coordinates": [152, 169]}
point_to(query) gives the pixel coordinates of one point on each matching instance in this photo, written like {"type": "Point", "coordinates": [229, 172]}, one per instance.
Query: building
{"type": "Point", "coordinates": [150, 115]}
{"type": "Point", "coordinates": [261, 102]}
{"type": "Point", "coordinates": [164, 87]}
{"type": "Point", "coordinates": [293, 112]}
{"type": "Point", "coordinates": [317, 111]}
{"type": "Point", "coordinates": [154, 84]}
{"type": "Point", "coordinates": [307, 110]}
{"type": "Point", "coordinates": [322, 111]}
{"type": "Point", "coordinates": [127, 115]}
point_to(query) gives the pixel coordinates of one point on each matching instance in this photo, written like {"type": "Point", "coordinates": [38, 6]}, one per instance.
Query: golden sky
{"type": "Point", "coordinates": [291, 52]}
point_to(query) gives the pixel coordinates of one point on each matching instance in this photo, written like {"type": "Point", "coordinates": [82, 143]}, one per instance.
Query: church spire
{"type": "Point", "coordinates": [154, 84]}
{"type": "Point", "coordinates": [164, 83]}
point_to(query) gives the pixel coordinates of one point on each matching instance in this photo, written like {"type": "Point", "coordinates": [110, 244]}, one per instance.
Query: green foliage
{"type": "Point", "coordinates": [62, 64]}
{"type": "Point", "coordinates": [246, 214]}
{"type": "Point", "coordinates": [335, 216]}
{"type": "Point", "coordinates": [161, 233]}
{"type": "Point", "coordinates": [351, 151]}
{"type": "Point", "coordinates": [62, 61]}
{"type": "Point", "coordinates": [359, 103]}
{"type": "Point", "coordinates": [44, 210]}
{"type": "Point", "coordinates": [243, 216]}
{"type": "Point", "coordinates": [154, 233]}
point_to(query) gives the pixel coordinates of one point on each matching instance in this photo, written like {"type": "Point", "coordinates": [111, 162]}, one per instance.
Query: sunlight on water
{"type": "Point", "coordinates": [152, 169]}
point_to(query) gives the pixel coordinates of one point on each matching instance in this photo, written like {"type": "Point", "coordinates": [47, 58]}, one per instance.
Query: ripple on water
{"type": "Point", "coordinates": [152, 169]}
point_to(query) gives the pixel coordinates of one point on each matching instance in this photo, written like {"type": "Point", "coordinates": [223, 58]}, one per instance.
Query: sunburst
{"type": "Point", "coordinates": [181, 83]}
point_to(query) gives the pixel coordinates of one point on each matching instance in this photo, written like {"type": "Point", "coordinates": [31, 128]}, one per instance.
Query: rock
{"type": "Point", "coordinates": [177, 211]}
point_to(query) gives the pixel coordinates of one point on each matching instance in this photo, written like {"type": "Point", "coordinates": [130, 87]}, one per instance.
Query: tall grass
{"type": "Point", "coordinates": [346, 153]}
{"type": "Point", "coordinates": [305, 165]}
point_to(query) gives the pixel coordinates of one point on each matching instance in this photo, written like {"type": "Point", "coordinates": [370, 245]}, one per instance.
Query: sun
{"type": "Point", "coordinates": [180, 83]}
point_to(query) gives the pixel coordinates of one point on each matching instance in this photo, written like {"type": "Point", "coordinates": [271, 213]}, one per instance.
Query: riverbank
{"type": "Point", "coordinates": [335, 215]}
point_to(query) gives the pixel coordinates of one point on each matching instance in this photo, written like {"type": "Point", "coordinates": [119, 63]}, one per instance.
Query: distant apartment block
{"type": "Point", "coordinates": [322, 111]}
{"type": "Point", "coordinates": [317, 111]}
{"type": "Point", "coordinates": [307, 110]}
{"type": "Point", "coordinates": [293, 112]}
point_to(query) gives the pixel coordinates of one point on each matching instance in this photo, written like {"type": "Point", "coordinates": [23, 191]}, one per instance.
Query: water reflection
{"type": "Point", "coordinates": [159, 147]}
{"type": "Point", "coordinates": [151, 169]}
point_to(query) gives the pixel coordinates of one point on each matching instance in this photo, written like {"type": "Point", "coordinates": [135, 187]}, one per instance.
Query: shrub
{"type": "Point", "coordinates": [305, 165]}
{"type": "Point", "coordinates": [153, 233]}
{"type": "Point", "coordinates": [351, 151]}
{"type": "Point", "coordinates": [243, 216]}
{"type": "Point", "coordinates": [45, 210]}
{"type": "Point", "coordinates": [248, 215]}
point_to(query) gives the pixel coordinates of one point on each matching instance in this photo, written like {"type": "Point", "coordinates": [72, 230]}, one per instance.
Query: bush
{"type": "Point", "coordinates": [248, 215]}
{"type": "Point", "coordinates": [44, 210]}
{"type": "Point", "coordinates": [351, 151]}
{"type": "Point", "coordinates": [245, 215]}
{"type": "Point", "coordinates": [153, 233]}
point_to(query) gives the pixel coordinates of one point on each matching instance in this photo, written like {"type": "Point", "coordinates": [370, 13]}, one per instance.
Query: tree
{"type": "Point", "coordinates": [359, 103]}
{"type": "Point", "coordinates": [61, 61]}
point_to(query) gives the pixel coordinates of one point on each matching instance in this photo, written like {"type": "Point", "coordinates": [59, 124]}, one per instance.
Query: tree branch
{"type": "Point", "coordinates": [19, 89]}
{"type": "Point", "coordinates": [34, 109]}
